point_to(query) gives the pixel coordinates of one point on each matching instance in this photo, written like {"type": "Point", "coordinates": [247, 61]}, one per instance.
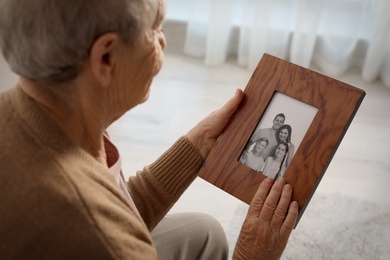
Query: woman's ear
{"type": "Point", "coordinates": [102, 59]}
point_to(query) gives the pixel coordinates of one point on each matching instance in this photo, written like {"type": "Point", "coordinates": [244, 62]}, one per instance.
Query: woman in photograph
{"type": "Point", "coordinates": [253, 157]}
{"type": "Point", "coordinates": [275, 166]}
{"type": "Point", "coordinates": [283, 135]}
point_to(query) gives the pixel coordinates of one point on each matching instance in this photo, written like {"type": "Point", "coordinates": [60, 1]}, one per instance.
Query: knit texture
{"type": "Point", "coordinates": [58, 202]}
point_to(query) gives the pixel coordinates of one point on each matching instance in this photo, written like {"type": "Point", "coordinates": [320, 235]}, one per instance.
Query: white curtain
{"type": "Point", "coordinates": [332, 35]}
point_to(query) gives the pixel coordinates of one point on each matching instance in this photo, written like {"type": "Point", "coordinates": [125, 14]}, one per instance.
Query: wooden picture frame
{"type": "Point", "coordinates": [335, 105]}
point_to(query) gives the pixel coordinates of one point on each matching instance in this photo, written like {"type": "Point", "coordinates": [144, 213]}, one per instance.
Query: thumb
{"type": "Point", "coordinates": [228, 109]}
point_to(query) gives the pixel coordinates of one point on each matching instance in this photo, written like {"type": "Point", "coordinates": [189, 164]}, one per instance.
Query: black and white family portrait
{"type": "Point", "coordinates": [277, 136]}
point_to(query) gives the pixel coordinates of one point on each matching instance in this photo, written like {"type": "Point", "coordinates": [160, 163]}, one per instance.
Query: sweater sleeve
{"type": "Point", "coordinates": [158, 186]}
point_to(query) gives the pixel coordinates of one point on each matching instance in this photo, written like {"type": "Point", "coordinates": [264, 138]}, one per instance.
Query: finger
{"type": "Point", "coordinates": [272, 200]}
{"type": "Point", "coordinates": [290, 220]}
{"type": "Point", "coordinates": [282, 207]}
{"type": "Point", "coordinates": [260, 196]}
{"type": "Point", "coordinates": [227, 110]}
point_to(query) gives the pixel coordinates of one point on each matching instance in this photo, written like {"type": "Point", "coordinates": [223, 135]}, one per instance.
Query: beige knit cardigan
{"type": "Point", "coordinates": [57, 202]}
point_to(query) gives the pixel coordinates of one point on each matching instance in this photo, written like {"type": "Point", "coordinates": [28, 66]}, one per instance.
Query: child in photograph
{"type": "Point", "coordinates": [253, 157]}
{"type": "Point", "coordinates": [274, 167]}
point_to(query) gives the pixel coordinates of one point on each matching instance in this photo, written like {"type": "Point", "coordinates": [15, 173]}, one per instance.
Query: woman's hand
{"type": "Point", "coordinates": [269, 222]}
{"type": "Point", "coordinates": [206, 132]}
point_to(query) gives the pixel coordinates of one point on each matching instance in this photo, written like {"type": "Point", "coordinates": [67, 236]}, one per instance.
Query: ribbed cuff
{"type": "Point", "coordinates": [178, 166]}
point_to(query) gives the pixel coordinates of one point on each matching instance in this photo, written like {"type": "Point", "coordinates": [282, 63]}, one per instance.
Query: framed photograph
{"type": "Point", "coordinates": [289, 125]}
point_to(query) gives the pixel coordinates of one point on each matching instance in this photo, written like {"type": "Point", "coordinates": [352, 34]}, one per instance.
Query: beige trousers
{"type": "Point", "coordinates": [187, 236]}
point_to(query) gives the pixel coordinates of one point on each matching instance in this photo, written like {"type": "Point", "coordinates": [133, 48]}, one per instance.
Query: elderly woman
{"type": "Point", "coordinates": [83, 64]}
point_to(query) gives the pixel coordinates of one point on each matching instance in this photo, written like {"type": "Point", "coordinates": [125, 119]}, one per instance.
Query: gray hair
{"type": "Point", "coordinates": [49, 40]}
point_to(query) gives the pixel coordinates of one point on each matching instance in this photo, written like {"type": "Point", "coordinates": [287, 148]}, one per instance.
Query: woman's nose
{"type": "Point", "coordinates": [162, 40]}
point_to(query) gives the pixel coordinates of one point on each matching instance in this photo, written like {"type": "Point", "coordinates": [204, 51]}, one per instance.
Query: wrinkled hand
{"type": "Point", "coordinates": [269, 222]}
{"type": "Point", "coordinates": [206, 132]}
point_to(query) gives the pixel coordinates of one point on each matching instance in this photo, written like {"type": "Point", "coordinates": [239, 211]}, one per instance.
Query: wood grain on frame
{"type": "Point", "coordinates": [336, 102]}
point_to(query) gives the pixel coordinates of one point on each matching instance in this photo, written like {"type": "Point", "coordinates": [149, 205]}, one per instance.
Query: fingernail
{"type": "Point", "coordinates": [268, 180]}
{"type": "Point", "coordinates": [281, 180]}
{"type": "Point", "coordinates": [287, 187]}
{"type": "Point", "coordinates": [294, 204]}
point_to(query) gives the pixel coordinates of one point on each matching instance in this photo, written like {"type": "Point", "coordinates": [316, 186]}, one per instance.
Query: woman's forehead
{"type": "Point", "coordinates": [160, 14]}
{"type": "Point", "coordinates": [153, 12]}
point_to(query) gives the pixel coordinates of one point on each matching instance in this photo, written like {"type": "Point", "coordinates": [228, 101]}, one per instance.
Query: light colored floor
{"type": "Point", "coordinates": [186, 91]}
